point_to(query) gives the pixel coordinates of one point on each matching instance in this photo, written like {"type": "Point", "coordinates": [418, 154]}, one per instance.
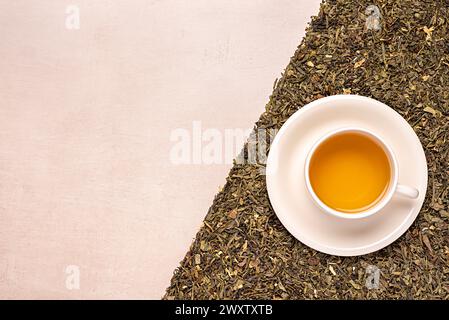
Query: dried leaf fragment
{"type": "Point", "coordinates": [204, 246]}
{"type": "Point", "coordinates": [428, 32]}
{"type": "Point", "coordinates": [238, 285]}
{"type": "Point", "coordinates": [426, 241]}
{"type": "Point", "coordinates": [313, 261]}
{"type": "Point", "coordinates": [355, 285]}
{"type": "Point", "coordinates": [359, 63]}
{"type": "Point", "coordinates": [331, 269]}
{"type": "Point", "coordinates": [432, 111]}
{"type": "Point", "coordinates": [233, 214]}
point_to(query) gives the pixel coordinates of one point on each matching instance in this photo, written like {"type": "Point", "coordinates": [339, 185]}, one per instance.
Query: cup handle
{"type": "Point", "coordinates": [407, 191]}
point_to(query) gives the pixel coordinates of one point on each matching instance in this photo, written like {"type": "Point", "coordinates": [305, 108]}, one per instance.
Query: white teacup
{"type": "Point", "coordinates": [393, 187]}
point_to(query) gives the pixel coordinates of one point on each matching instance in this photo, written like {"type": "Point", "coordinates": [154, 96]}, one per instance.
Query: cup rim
{"type": "Point", "coordinates": [385, 199]}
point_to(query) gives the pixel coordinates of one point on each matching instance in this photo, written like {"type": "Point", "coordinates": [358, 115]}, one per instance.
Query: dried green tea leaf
{"type": "Point", "coordinates": [197, 259]}
{"type": "Point", "coordinates": [426, 241]}
{"type": "Point", "coordinates": [331, 269]}
{"type": "Point", "coordinates": [359, 63]}
{"type": "Point", "coordinates": [432, 111]}
{"type": "Point", "coordinates": [233, 214]}
{"type": "Point", "coordinates": [428, 32]}
{"type": "Point", "coordinates": [355, 285]}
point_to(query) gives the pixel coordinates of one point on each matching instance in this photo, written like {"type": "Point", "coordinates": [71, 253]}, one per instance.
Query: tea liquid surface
{"type": "Point", "coordinates": [350, 172]}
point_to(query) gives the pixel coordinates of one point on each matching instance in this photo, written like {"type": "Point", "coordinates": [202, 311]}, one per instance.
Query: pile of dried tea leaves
{"type": "Point", "coordinates": [242, 251]}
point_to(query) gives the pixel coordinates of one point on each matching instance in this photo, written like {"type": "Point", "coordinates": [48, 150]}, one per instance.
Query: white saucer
{"type": "Point", "coordinates": [286, 183]}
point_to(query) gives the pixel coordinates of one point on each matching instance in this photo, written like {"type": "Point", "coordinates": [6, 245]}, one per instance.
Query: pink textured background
{"type": "Point", "coordinates": [85, 120]}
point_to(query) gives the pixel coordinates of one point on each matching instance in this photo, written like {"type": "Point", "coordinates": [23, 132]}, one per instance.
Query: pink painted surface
{"type": "Point", "coordinates": [85, 121]}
